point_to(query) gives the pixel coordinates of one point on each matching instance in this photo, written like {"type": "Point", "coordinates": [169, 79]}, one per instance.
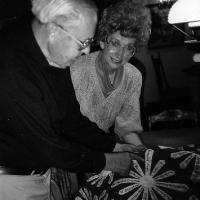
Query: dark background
{"type": "Point", "coordinates": [13, 8]}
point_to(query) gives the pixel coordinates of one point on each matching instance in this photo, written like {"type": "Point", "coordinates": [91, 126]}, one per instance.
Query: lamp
{"type": "Point", "coordinates": [184, 11]}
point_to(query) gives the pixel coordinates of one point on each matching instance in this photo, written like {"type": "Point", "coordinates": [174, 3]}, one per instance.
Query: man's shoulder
{"type": "Point", "coordinates": [17, 81]}
{"type": "Point", "coordinates": [84, 63]}
{"type": "Point", "coordinates": [14, 48]}
{"type": "Point", "coordinates": [14, 33]}
{"type": "Point", "coordinates": [85, 59]}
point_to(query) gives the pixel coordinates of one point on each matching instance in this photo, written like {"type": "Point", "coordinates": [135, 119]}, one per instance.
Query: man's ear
{"type": "Point", "coordinates": [102, 44]}
{"type": "Point", "coordinates": [51, 27]}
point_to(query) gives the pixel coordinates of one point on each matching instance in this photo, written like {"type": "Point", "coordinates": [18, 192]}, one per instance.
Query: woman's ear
{"type": "Point", "coordinates": [102, 44]}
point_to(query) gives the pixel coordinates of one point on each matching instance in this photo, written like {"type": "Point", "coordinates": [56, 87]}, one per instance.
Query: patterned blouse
{"type": "Point", "coordinates": [121, 107]}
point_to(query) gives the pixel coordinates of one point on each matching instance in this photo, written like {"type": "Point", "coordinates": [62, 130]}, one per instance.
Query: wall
{"type": "Point", "coordinates": [175, 59]}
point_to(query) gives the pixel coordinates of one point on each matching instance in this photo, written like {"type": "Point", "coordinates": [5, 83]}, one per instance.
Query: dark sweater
{"type": "Point", "coordinates": [40, 121]}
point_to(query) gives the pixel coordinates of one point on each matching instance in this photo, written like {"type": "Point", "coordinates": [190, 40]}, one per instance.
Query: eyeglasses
{"type": "Point", "coordinates": [129, 50]}
{"type": "Point", "coordinates": [83, 45]}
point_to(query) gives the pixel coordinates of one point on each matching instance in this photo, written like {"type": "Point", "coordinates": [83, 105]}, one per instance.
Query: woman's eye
{"type": "Point", "coordinates": [131, 48]}
{"type": "Point", "coordinates": [115, 43]}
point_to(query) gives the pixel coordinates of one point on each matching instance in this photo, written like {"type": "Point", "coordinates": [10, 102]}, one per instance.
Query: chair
{"type": "Point", "coordinates": [141, 67]}
{"type": "Point", "coordinates": [174, 108]}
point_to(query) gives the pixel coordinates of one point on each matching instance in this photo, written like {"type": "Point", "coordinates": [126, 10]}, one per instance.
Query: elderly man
{"type": "Point", "coordinates": [40, 122]}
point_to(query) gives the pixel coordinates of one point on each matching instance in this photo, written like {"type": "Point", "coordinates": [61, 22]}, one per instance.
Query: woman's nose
{"type": "Point", "coordinates": [86, 50]}
{"type": "Point", "coordinates": [120, 53]}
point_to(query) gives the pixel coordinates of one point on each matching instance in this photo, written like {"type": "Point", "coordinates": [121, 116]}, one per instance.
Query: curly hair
{"type": "Point", "coordinates": [130, 17]}
{"type": "Point", "coordinates": [47, 10]}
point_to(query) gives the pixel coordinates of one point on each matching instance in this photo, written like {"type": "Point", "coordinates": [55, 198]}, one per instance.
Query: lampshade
{"type": "Point", "coordinates": [184, 11]}
{"type": "Point", "coordinates": [194, 24]}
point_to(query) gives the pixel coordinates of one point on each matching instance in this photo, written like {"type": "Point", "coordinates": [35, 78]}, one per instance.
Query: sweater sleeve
{"type": "Point", "coordinates": [128, 120]}
{"type": "Point", "coordinates": [27, 138]}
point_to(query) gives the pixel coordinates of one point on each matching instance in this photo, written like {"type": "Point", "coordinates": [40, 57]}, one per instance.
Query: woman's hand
{"type": "Point", "coordinates": [129, 148]}
{"type": "Point", "coordinates": [132, 138]}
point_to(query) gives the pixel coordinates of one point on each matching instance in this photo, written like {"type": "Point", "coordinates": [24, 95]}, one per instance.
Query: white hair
{"type": "Point", "coordinates": [48, 10]}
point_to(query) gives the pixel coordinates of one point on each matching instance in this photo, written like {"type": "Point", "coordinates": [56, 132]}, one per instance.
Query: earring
{"type": "Point", "coordinates": [102, 45]}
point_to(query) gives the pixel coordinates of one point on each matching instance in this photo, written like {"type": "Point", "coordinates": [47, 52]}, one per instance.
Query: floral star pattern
{"type": "Point", "coordinates": [189, 156]}
{"type": "Point", "coordinates": [149, 183]}
{"type": "Point", "coordinates": [166, 174]}
{"type": "Point", "coordinates": [87, 195]}
{"type": "Point", "coordinates": [99, 178]}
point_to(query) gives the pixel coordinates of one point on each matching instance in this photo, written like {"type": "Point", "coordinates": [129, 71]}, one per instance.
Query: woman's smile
{"type": "Point", "coordinates": [116, 61]}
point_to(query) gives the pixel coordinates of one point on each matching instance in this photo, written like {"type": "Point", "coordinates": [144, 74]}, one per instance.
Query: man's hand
{"type": "Point", "coordinates": [120, 162]}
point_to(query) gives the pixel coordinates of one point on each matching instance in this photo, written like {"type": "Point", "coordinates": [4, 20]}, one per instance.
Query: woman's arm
{"type": "Point", "coordinates": [128, 122]}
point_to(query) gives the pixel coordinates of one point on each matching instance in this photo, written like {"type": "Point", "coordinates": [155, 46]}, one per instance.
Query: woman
{"type": "Point", "coordinates": [107, 86]}
{"type": "Point", "coordinates": [108, 89]}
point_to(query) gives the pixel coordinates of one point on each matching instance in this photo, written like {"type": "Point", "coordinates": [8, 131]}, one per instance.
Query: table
{"type": "Point", "coordinates": [167, 173]}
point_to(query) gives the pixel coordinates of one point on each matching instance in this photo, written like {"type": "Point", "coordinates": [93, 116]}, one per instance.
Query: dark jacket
{"type": "Point", "coordinates": [40, 121]}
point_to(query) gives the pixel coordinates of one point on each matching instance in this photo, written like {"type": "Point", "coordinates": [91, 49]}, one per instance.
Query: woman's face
{"type": "Point", "coordinates": [117, 50]}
